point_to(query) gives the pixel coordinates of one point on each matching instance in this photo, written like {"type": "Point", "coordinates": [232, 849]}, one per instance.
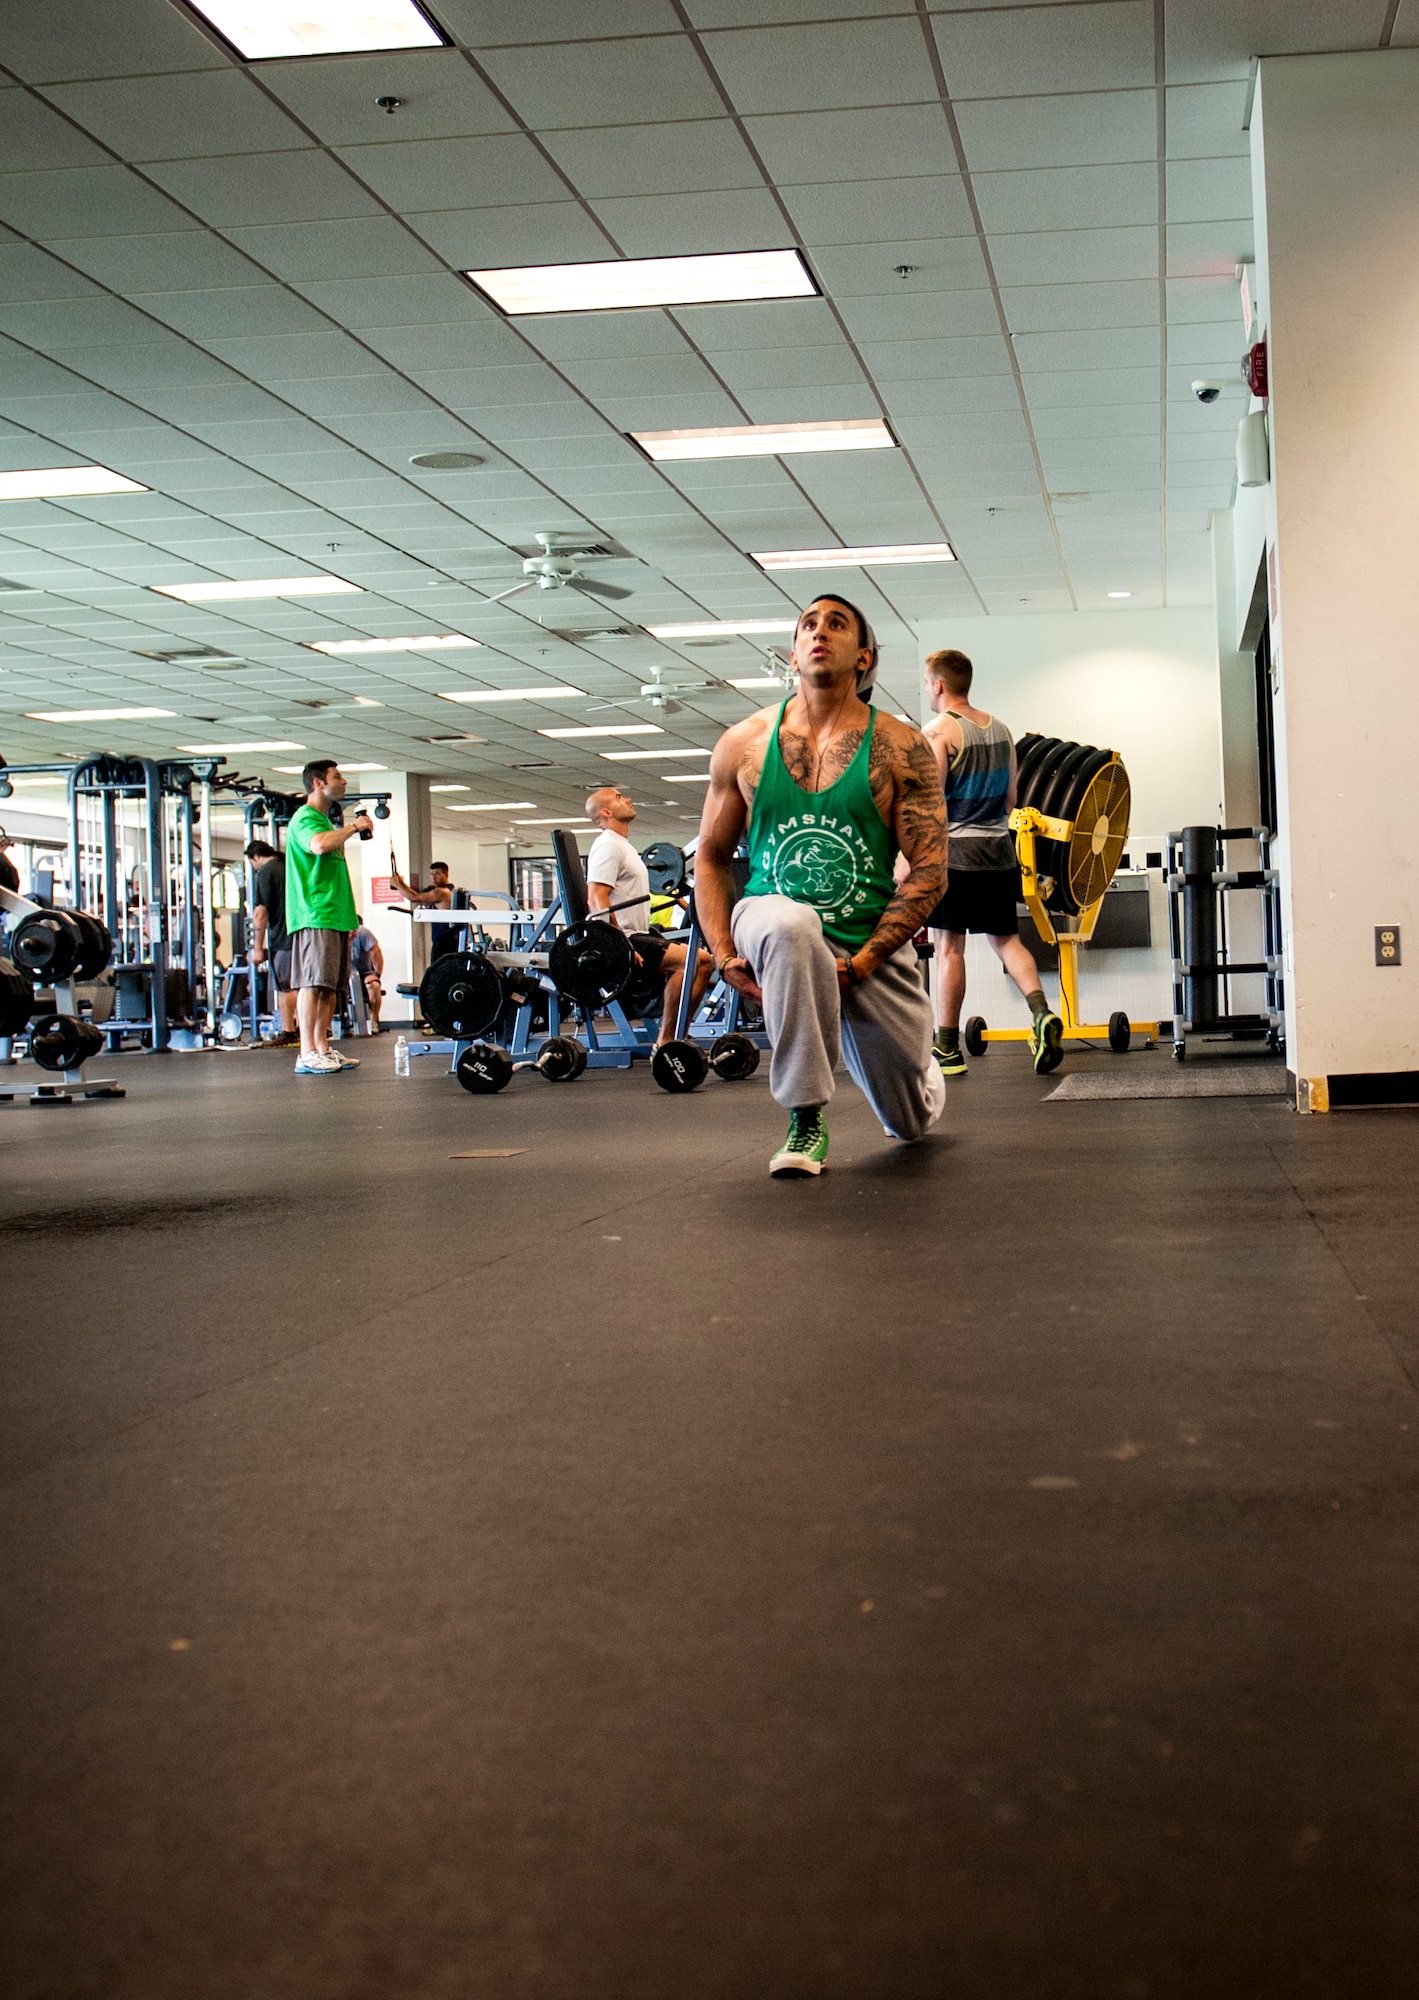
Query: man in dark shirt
{"type": "Point", "coordinates": [9, 873]}
{"type": "Point", "coordinates": [269, 938]}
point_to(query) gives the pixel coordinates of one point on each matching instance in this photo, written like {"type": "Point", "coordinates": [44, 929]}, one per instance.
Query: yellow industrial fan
{"type": "Point", "coordinates": [1070, 826]}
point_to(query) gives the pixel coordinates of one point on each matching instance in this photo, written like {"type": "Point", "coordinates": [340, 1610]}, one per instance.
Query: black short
{"type": "Point", "coordinates": [650, 948]}
{"type": "Point", "coordinates": [979, 899]}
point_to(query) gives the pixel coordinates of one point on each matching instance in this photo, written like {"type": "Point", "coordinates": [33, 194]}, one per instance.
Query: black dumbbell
{"type": "Point", "coordinates": [733, 1057]}
{"type": "Point", "coordinates": [58, 1041]}
{"type": "Point", "coordinates": [48, 945]}
{"type": "Point", "coordinates": [679, 1066]}
{"type": "Point", "coordinates": [484, 1068]}
{"type": "Point", "coordinates": [561, 1059]}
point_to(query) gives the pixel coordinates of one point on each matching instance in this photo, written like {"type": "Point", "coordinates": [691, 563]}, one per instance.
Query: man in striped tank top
{"type": "Point", "coordinates": [976, 756]}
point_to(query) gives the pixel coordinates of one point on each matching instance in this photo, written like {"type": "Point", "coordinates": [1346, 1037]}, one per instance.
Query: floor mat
{"type": "Point", "coordinates": [1223, 1080]}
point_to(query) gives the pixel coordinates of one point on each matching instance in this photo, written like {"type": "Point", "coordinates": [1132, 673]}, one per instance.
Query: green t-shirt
{"type": "Point", "coordinates": [318, 892]}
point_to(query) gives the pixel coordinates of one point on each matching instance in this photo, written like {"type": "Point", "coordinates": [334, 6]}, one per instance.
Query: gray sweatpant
{"type": "Point", "coordinates": [882, 1028]}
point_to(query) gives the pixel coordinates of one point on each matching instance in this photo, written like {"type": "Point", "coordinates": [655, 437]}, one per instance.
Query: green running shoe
{"type": "Point", "coordinates": [1047, 1043]}
{"type": "Point", "coordinates": [805, 1150]}
{"type": "Point", "coordinates": [950, 1062]}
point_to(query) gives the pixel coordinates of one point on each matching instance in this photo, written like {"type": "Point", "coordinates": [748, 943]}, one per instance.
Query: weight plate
{"type": "Point", "coordinates": [560, 1059]}
{"type": "Point", "coordinates": [592, 963]}
{"type": "Point", "coordinates": [733, 1057]}
{"type": "Point", "coordinates": [47, 946]}
{"type": "Point", "coordinates": [231, 1027]}
{"type": "Point", "coordinates": [665, 865]}
{"type": "Point", "coordinates": [59, 1042]}
{"type": "Point", "coordinates": [97, 945]}
{"type": "Point", "coordinates": [16, 999]}
{"type": "Point", "coordinates": [461, 995]}
{"type": "Point", "coordinates": [679, 1066]}
{"type": "Point", "coordinates": [484, 1068]}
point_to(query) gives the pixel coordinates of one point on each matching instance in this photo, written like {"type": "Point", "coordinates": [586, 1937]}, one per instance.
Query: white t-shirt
{"type": "Point", "coordinates": [614, 864]}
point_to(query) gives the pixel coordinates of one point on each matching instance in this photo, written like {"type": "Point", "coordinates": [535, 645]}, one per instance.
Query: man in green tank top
{"type": "Point", "coordinates": [320, 913]}
{"type": "Point", "coordinates": [828, 790]}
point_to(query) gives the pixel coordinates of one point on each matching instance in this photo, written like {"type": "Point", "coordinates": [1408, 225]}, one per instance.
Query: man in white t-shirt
{"type": "Point", "coordinates": [615, 874]}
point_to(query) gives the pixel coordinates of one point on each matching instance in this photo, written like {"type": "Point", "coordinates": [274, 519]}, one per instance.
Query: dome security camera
{"type": "Point", "coordinates": [1207, 392]}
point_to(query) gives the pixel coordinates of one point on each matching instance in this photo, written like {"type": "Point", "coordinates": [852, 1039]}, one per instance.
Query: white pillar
{"type": "Point", "coordinates": [1335, 144]}
{"type": "Point", "coordinates": [406, 832]}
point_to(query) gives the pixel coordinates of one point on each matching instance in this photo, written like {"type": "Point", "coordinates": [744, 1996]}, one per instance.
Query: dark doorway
{"type": "Point", "coordinates": [1265, 731]}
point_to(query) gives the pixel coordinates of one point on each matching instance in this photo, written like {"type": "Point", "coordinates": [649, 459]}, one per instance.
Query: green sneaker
{"type": "Point", "coordinates": [950, 1062]}
{"type": "Point", "coordinates": [805, 1150]}
{"type": "Point", "coordinates": [1047, 1043]}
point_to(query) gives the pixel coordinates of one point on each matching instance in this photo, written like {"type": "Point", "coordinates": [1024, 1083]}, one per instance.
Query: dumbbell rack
{"type": "Point", "coordinates": [17, 907]}
{"type": "Point", "coordinates": [1203, 968]}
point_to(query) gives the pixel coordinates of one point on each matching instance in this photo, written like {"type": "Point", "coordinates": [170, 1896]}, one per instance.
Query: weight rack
{"type": "Point", "coordinates": [1198, 888]}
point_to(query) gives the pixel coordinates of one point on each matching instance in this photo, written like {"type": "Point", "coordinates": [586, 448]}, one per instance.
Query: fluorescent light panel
{"type": "Point", "coordinates": [760, 681]}
{"type": "Point", "coordinates": [721, 628]}
{"type": "Point", "coordinates": [613, 729]}
{"type": "Point", "coordinates": [766, 440]}
{"type": "Point", "coordinates": [266, 30]}
{"type": "Point", "coordinates": [868, 558]}
{"type": "Point", "coordinates": [435, 643]}
{"type": "Point", "coordinates": [515, 694]}
{"type": "Point", "coordinates": [233, 749]}
{"type": "Point", "coordinates": [294, 770]}
{"type": "Point", "coordinates": [268, 586]}
{"type": "Point", "coordinates": [503, 806]}
{"type": "Point", "coordinates": [95, 714]}
{"type": "Point", "coordinates": [560, 820]}
{"type": "Point", "coordinates": [646, 281]}
{"type": "Point", "coordinates": [634, 756]}
{"type": "Point", "coordinates": [683, 777]}
{"type": "Point", "coordinates": [1120, 593]}
{"type": "Point", "coordinates": [448, 788]}
{"type": "Point", "coordinates": [65, 482]}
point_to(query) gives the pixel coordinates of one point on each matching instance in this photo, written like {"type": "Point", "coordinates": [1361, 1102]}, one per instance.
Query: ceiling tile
{"type": "Point", "coordinates": [358, 303]}
{"type": "Point", "coordinates": [252, 309]}
{"type": "Point", "coordinates": [1069, 198]}
{"type": "Point", "coordinates": [794, 404]}
{"type": "Point", "coordinates": [684, 224]}
{"type": "Point", "coordinates": [924, 360]}
{"type": "Point", "coordinates": [1208, 190]}
{"type": "Point", "coordinates": [1037, 257]}
{"type": "Point", "coordinates": [901, 315]}
{"type": "Point", "coordinates": [1068, 308]}
{"type": "Point", "coordinates": [263, 187]}
{"type": "Point", "coordinates": [27, 273]}
{"type": "Point", "coordinates": [486, 24]}
{"type": "Point", "coordinates": [1209, 40]}
{"type": "Point", "coordinates": [1120, 347]}
{"type": "Point", "coordinates": [444, 97]}
{"type": "Point", "coordinates": [826, 65]}
{"type": "Point", "coordinates": [487, 239]}
{"type": "Point", "coordinates": [86, 201]}
{"type": "Point", "coordinates": [789, 368]}
{"type": "Point", "coordinates": [938, 264]}
{"type": "Point", "coordinates": [422, 173]}
{"type": "Point", "coordinates": [911, 141]}
{"type": "Point", "coordinates": [288, 357]}
{"type": "Point", "coordinates": [768, 323]}
{"type": "Point", "coordinates": [1209, 249]}
{"type": "Point", "coordinates": [873, 211]}
{"type": "Point", "coordinates": [1106, 46]}
{"type": "Point", "coordinates": [609, 336]}
{"type": "Point", "coordinates": [373, 246]}
{"type": "Point", "coordinates": [679, 158]}
{"type": "Point", "coordinates": [179, 260]}
{"type": "Point", "coordinates": [172, 117]}
{"type": "Point", "coordinates": [1091, 129]}
{"type": "Point", "coordinates": [447, 344]}
{"type": "Point", "coordinates": [1216, 346]}
{"type": "Point", "coordinates": [74, 38]}
{"type": "Point", "coordinates": [604, 83]}
{"type": "Point", "coordinates": [1205, 121]}
{"type": "Point", "coordinates": [750, 13]}
{"type": "Point", "coordinates": [33, 136]}
{"type": "Point", "coordinates": [1406, 26]}
{"type": "Point", "coordinates": [1213, 298]}
{"type": "Point", "coordinates": [942, 397]}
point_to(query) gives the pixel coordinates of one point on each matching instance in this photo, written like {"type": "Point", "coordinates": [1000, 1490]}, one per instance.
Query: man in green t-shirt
{"type": "Point", "coordinates": [320, 913]}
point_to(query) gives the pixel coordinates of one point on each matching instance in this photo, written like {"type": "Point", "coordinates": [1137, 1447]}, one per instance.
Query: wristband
{"type": "Point", "coordinates": [854, 977]}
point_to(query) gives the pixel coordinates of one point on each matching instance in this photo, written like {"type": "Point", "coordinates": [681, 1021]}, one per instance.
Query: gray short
{"type": "Point", "coordinates": [320, 958]}
{"type": "Point", "coordinates": [281, 968]}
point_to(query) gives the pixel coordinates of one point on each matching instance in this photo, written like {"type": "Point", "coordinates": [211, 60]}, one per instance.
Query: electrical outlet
{"type": "Point", "coordinates": [1386, 944]}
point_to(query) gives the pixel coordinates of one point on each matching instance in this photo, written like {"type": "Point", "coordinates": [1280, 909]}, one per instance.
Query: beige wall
{"type": "Point", "coordinates": [1336, 172]}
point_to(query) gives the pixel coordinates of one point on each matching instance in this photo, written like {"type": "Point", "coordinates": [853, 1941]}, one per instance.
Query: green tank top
{"type": "Point", "coordinates": [828, 849]}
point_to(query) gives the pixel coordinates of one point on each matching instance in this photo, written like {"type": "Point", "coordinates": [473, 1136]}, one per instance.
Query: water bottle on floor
{"type": "Point", "coordinates": [401, 1057]}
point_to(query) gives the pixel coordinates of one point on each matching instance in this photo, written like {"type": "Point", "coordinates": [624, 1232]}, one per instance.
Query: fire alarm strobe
{"type": "Point", "coordinates": [1254, 370]}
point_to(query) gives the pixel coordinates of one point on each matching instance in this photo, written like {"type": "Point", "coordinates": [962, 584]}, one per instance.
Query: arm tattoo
{"type": "Point", "coordinates": [919, 820]}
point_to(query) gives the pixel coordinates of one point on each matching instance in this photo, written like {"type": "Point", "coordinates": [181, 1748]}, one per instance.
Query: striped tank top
{"type": "Point", "coordinates": [977, 795]}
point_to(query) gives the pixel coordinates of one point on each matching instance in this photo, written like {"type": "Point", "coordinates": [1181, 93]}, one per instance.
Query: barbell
{"type": "Point", "coordinates": [485, 1068]}
{"type": "Point", "coordinates": [60, 1042]}
{"type": "Point", "coordinates": [52, 945]}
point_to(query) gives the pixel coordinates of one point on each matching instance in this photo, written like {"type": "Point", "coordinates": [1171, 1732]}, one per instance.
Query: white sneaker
{"type": "Point", "coordinates": [346, 1062]}
{"type": "Point", "coordinates": [318, 1065]}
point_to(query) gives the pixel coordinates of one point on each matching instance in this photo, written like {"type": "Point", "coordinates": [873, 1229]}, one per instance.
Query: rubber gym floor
{"type": "Point", "coordinates": [604, 1573]}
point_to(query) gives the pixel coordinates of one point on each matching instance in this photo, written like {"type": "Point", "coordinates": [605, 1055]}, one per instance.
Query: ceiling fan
{"type": "Point", "coordinates": [661, 696]}
{"type": "Point", "coordinates": [559, 567]}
